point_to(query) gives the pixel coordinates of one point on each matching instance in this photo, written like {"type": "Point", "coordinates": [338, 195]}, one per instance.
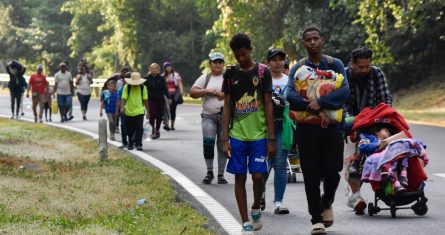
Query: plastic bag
{"type": "Point", "coordinates": [54, 106]}
{"type": "Point", "coordinates": [147, 132]}
{"type": "Point", "coordinates": [287, 133]}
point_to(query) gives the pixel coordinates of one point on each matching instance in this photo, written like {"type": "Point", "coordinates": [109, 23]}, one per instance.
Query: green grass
{"type": "Point", "coordinates": [71, 192]}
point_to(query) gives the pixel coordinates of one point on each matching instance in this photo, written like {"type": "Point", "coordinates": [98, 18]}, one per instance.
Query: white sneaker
{"type": "Point", "coordinates": [357, 203]}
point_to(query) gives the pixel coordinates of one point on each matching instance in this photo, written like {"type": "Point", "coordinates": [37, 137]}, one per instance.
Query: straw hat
{"type": "Point", "coordinates": [135, 79]}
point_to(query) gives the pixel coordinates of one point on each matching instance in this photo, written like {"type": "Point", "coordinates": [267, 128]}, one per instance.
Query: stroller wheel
{"type": "Point", "coordinates": [294, 177]}
{"type": "Point", "coordinates": [420, 208]}
{"type": "Point", "coordinates": [393, 209]}
{"type": "Point", "coordinates": [289, 177]}
{"type": "Point", "coordinates": [370, 209]}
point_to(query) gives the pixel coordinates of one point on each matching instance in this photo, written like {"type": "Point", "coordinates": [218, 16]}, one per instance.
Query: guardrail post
{"type": "Point", "coordinates": [103, 146]}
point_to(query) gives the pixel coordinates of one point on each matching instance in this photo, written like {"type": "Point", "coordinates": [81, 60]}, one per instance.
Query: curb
{"type": "Point", "coordinates": [221, 215]}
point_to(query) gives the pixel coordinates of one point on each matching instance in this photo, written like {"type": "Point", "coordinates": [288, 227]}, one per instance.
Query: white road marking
{"type": "Point", "coordinates": [221, 215]}
{"type": "Point", "coordinates": [440, 174]}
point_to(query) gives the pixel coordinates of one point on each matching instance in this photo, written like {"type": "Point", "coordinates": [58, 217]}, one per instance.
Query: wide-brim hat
{"type": "Point", "coordinates": [135, 79]}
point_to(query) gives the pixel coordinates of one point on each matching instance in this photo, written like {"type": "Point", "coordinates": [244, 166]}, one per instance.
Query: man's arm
{"type": "Point", "coordinates": [382, 90]}
{"type": "Point", "coordinates": [268, 108]}
{"type": "Point", "coordinates": [296, 101]}
{"type": "Point", "coordinates": [226, 118]}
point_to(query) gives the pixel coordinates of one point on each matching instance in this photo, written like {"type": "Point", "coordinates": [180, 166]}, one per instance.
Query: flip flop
{"type": "Point", "coordinates": [318, 228]}
{"type": "Point", "coordinates": [328, 217]}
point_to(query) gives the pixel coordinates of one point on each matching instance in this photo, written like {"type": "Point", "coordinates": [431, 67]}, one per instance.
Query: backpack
{"type": "Point", "coordinates": [278, 104]}
{"type": "Point", "coordinates": [141, 88]}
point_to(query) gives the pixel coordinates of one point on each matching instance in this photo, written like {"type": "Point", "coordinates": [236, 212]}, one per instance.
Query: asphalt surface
{"type": "Point", "coordinates": [182, 149]}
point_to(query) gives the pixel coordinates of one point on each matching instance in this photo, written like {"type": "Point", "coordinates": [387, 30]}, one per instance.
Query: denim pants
{"type": "Point", "coordinates": [279, 164]}
{"type": "Point", "coordinates": [211, 132]}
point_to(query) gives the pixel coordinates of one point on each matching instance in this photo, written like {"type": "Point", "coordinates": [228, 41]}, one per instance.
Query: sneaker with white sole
{"type": "Point", "coordinates": [357, 203]}
{"type": "Point", "coordinates": [247, 229]}
{"type": "Point", "coordinates": [256, 219]}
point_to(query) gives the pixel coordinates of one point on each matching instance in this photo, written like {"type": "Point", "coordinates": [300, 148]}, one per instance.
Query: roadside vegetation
{"type": "Point", "coordinates": [423, 102]}
{"type": "Point", "coordinates": [53, 183]}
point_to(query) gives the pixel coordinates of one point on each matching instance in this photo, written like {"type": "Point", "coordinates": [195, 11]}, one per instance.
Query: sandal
{"type": "Point", "coordinates": [208, 179]}
{"type": "Point", "coordinates": [328, 217]}
{"type": "Point", "coordinates": [222, 180]}
{"type": "Point", "coordinates": [318, 228]}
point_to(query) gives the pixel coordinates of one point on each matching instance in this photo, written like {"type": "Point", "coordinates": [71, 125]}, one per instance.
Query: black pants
{"type": "Point", "coordinates": [321, 155]}
{"type": "Point", "coordinates": [135, 127]}
{"type": "Point", "coordinates": [83, 100]}
{"type": "Point", "coordinates": [16, 97]}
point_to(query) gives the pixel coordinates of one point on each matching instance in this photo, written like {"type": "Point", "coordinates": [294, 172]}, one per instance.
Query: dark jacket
{"type": "Point", "coordinates": [156, 87]}
{"type": "Point", "coordinates": [17, 83]}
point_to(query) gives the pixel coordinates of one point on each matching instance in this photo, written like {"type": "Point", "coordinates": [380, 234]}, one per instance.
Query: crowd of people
{"type": "Point", "coordinates": [245, 112]}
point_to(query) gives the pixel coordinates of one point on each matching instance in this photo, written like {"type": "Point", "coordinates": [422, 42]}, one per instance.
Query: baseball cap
{"type": "Point", "coordinates": [216, 56]}
{"type": "Point", "coordinates": [39, 67]}
{"type": "Point", "coordinates": [62, 64]}
{"type": "Point", "coordinates": [275, 51]}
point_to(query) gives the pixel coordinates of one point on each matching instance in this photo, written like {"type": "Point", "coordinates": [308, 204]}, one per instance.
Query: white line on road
{"type": "Point", "coordinates": [221, 215]}
{"type": "Point", "coordinates": [440, 174]}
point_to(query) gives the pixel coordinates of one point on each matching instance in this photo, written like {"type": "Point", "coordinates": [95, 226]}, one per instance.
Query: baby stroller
{"type": "Point", "coordinates": [384, 114]}
{"type": "Point", "coordinates": [293, 161]}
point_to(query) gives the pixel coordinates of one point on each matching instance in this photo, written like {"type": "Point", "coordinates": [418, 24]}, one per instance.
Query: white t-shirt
{"type": "Point", "coordinates": [84, 87]}
{"type": "Point", "coordinates": [63, 82]}
{"type": "Point", "coordinates": [279, 85]}
{"type": "Point", "coordinates": [211, 104]}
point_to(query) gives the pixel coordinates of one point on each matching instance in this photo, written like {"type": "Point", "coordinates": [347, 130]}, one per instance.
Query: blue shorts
{"type": "Point", "coordinates": [245, 154]}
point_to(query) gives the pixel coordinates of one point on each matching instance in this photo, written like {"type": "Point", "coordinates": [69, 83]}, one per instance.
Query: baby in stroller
{"type": "Point", "coordinates": [394, 160]}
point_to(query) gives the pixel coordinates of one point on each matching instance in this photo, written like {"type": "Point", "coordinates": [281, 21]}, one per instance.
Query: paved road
{"type": "Point", "coordinates": [182, 150]}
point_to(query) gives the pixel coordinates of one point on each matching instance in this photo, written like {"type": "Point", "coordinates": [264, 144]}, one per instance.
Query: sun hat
{"type": "Point", "coordinates": [216, 56]}
{"type": "Point", "coordinates": [135, 79]}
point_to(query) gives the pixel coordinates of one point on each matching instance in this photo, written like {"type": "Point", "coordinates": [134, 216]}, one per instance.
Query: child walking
{"type": "Point", "coordinates": [248, 129]}
{"type": "Point", "coordinates": [109, 102]}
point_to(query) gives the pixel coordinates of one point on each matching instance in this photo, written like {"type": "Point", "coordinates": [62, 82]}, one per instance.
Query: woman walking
{"type": "Point", "coordinates": [83, 83]}
{"type": "Point", "coordinates": [157, 89]}
{"type": "Point", "coordinates": [175, 92]}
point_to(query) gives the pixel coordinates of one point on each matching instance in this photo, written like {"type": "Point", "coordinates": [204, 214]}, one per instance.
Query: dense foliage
{"type": "Point", "coordinates": [407, 36]}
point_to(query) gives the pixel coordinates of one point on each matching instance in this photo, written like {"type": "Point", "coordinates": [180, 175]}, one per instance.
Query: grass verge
{"type": "Point", "coordinates": [52, 183]}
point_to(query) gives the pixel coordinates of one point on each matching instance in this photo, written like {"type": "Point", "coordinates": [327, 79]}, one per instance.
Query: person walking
{"type": "Point", "coordinates": [134, 98]}
{"type": "Point", "coordinates": [208, 87]}
{"type": "Point", "coordinates": [109, 103]}
{"type": "Point", "coordinates": [275, 61]}
{"type": "Point", "coordinates": [368, 88]}
{"type": "Point", "coordinates": [16, 85]}
{"type": "Point", "coordinates": [248, 134]}
{"type": "Point", "coordinates": [320, 144]}
{"type": "Point", "coordinates": [38, 85]}
{"type": "Point", "coordinates": [175, 92]}
{"type": "Point", "coordinates": [64, 88]}
{"type": "Point", "coordinates": [121, 115]}
{"type": "Point", "coordinates": [83, 83]}
{"type": "Point", "coordinates": [157, 89]}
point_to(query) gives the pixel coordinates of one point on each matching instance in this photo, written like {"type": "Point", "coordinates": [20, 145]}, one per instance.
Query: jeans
{"type": "Point", "coordinates": [65, 103]}
{"type": "Point", "coordinates": [16, 97]}
{"type": "Point", "coordinates": [279, 165]}
{"type": "Point", "coordinates": [321, 155]}
{"type": "Point", "coordinates": [211, 131]}
{"type": "Point", "coordinates": [112, 122]}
